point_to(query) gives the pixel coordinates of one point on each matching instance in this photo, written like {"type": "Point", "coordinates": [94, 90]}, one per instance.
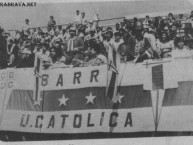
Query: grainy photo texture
{"type": "Point", "coordinates": [96, 70]}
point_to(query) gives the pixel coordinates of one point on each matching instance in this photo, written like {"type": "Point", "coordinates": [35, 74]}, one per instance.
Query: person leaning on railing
{"type": "Point", "coordinates": [55, 58]}
{"type": "Point", "coordinates": [127, 48]}
{"type": "Point", "coordinates": [181, 51]}
{"type": "Point", "coordinates": [94, 55]}
{"type": "Point", "coordinates": [165, 45]}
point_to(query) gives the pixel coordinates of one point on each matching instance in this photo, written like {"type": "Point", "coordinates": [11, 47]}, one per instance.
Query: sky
{"type": "Point", "coordinates": [14, 17]}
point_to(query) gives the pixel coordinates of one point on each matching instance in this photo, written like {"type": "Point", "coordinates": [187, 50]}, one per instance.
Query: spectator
{"type": "Point", "coordinates": [152, 52]}
{"type": "Point", "coordinates": [181, 33]}
{"type": "Point", "coordinates": [59, 30]}
{"type": "Point", "coordinates": [181, 50]}
{"type": "Point", "coordinates": [56, 56]}
{"type": "Point", "coordinates": [107, 37]}
{"type": "Point", "coordinates": [77, 17]}
{"type": "Point", "coordinates": [127, 48]}
{"type": "Point", "coordinates": [38, 48]}
{"type": "Point", "coordinates": [181, 17]}
{"type": "Point", "coordinates": [91, 35]}
{"type": "Point", "coordinates": [75, 44]}
{"type": "Point", "coordinates": [26, 26]}
{"type": "Point", "coordinates": [172, 32]}
{"type": "Point", "coordinates": [81, 33]}
{"type": "Point", "coordinates": [83, 19]}
{"type": "Point", "coordinates": [156, 22]}
{"type": "Point", "coordinates": [147, 20]}
{"type": "Point", "coordinates": [26, 58]}
{"type": "Point", "coordinates": [51, 23]}
{"type": "Point", "coordinates": [191, 15]}
{"type": "Point", "coordinates": [188, 39]}
{"type": "Point", "coordinates": [12, 51]}
{"type": "Point", "coordinates": [99, 34]}
{"type": "Point", "coordinates": [55, 38]}
{"type": "Point", "coordinates": [117, 27]}
{"type": "Point", "coordinates": [133, 39]}
{"type": "Point", "coordinates": [45, 53]}
{"type": "Point", "coordinates": [95, 56]}
{"type": "Point", "coordinates": [96, 19]}
{"type": "Point", "coordinates": [170, 20]}
{"type": "Point", "coordinates": [165, 45]}
{"type": "Point", "coordinates": [117, 40]}
{"type": "Point", "coordinates": [139, 43]}
{"type": "Point", "coordinates": [90, 26]}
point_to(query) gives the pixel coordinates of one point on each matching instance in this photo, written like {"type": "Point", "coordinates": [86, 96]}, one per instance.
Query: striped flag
{"type": "Point", "coordinates": [112, 76]}
{"type": "Point", "coordinates": [81, 110]}
{"type": "Point", "coordinates": [37, 74]}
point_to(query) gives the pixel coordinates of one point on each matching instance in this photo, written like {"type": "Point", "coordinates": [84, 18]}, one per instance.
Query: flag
{"type": "Point", "coordinates": [112, 77]}
{"type": "Point", "coordinates": [84, 110]}
{"type": "Point", "coordinates": [37, 75]}
{"type": "Point", "coordinates": [157, 92]}
{"type": "Point", "coordinates": [69, 105]}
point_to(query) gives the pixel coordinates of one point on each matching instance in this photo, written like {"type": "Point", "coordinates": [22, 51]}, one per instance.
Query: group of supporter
{"type": "Point", "coordinates": [84, 43]}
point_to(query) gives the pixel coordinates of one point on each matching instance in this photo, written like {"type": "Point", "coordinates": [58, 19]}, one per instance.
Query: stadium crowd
{"type": "Point", "coordinates": [84, 42]}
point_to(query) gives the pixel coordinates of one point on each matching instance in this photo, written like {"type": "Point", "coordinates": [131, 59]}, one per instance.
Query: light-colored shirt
{"type": "Point", "coordinates": [162, 46]}
{"type": "Point", "coordinates": [100, 59]}
{"type": "Point", "coordinates": [181, 53]}
{"type": "Point", "coordinates": [77, 18]}
{"type": "Point", "coordinates": [25, 27]}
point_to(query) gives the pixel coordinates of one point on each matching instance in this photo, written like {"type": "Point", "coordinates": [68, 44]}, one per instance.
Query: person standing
{"type": "Point", "coordinates": [26, 26]}
{"type": "Point", "coordinates": [77, 17]}
{"type": "Point", "coordinates": [51, 23]}
{"type": "Point", "coordinates": [127, 48]}
{"type": "Point", "coordinates": [117, 40]}
{"type": "Point", "coordinates": [96, 19]}
{"type": "Point", "coordinates": [75, 44]}
{"type": "Point", "coordinates": [12, 51]}
{"type": "Point", "coordinates": [83, 19]}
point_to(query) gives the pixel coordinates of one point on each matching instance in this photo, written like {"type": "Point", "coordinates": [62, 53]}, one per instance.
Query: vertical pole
{"type": "Point", "coordinates": [156, 119]}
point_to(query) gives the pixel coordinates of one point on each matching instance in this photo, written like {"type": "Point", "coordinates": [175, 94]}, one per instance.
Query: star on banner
{"type": "Point", "coordinates": [90, 98]}
{"type": "Point", "coordinates": [37, 102]}
{"type": "Point", "coordinates": [63, 100]}
{"type": "Point", "coordinates": [119, 97]}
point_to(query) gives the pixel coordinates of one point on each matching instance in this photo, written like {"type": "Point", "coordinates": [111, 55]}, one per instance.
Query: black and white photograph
{"type": "Point", "coordinates": [96, 72]}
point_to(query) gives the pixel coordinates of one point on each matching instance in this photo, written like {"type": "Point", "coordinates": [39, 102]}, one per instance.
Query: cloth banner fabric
{"type": "Point", "coordinates": [73, 100]}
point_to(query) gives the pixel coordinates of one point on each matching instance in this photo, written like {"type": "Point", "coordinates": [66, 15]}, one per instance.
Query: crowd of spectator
{"type": "Point", "coordinates": [84, 42]}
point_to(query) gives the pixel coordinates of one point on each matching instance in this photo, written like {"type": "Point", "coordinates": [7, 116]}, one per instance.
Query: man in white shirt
{"type": "Point", "coordinates": [77, 17]}
{"type": "Point", "coordinates": [83, 19]}
{"type": "Point", "coordinates": [153, 51]}
{"type": "Point", "coordinates": [26, 26]}
{"type": "Point", "coordinates": [117, 40]}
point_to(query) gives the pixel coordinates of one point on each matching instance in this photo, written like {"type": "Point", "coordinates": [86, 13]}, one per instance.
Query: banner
{"type": "Point", "coordinates": [79, 111]}
{"type": "Point", "coordinates": [152, 97]}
